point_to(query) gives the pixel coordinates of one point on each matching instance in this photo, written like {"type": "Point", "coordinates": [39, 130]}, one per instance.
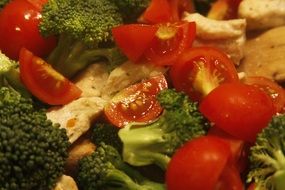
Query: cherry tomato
{"type": "Point", "coordinates": [136, 103]}
{"type": "Point", "coordinates": [275, 91]}
{"type": "Point", "coordinates": [201, 69]}
{"type": "Point", "coordinates": [19, 21]}
{"type": "Point", "coordinates": [170, 41]}
{"type": "Point", "coordinates": [178, 7]}
{"type": "Point", "coordinates": [229, 180]}
{"type": "Point", "coordinates": [251, 186]}
{"type": "Point", "coordinates": [198, 164]}
{"type": "Point", "coordinates": [134, 39]}
{"type": "Point", "coordinates": [44, 82]}
{"type": "Point", "coordinates": [239, 109]}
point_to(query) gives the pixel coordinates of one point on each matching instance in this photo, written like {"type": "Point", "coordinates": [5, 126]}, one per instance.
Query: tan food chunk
{"type": "Point", "coordinates": [265, 55]}
{"type": "Point", "coordinates": [66, 183]}
{"type": "Point", "coordinates": [262, 14]}
{"type": "Point", "coordinates": [229, 35]}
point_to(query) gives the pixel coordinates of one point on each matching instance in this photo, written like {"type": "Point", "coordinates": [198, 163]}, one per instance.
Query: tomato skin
{"type": "Point", "coordinates": [19, 22]}
{"type": "Point", "coordinates": [201, 69]}
{"type": "Point", "coordinates": [44, 82]}
{"type": "Point", "coordinates": [275, 91]}
{"type": "Point", "coordinates": [136, 103]}
{"type": "Point", "coordinates": [239, 109]}
{"type": "Point", "coordinates": [229, 180]}
{"type": "Point", "coordinates": [178, 7]}
{"type": "Point", "coordinates": [198, 164]}
{"type": "Point", "coordinates": [134, 39]}
{"type": "Point", "coordinates": [166, 51]}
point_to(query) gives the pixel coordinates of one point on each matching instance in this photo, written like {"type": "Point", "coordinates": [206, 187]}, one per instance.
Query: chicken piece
{"type": "Point", "coordinates": [77, 116]}
{"type": "Point", "coordinates": [265, 55]}
{"type": "Point", "coordinates": [92, 80]}
{"type": "Point", "coordinates": [227, 35]}
{"type": "Point", "coordinates": [262, 14]}
{"type": "Point", "coordinates": [128, 74]}
{"type": "Point", "coordinates": [66, 183]}
{"type": "Point", "coordinates": [82, 147]}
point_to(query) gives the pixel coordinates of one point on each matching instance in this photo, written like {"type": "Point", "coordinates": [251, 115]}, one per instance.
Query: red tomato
{"type": "Point", "coordinates": [136, 103]}
{"type": "Point", "coordinates": [134, 39]}
{"type": "Point", "coordinates": [178, 7]}
{"type": "Point", "coordinates": [198, 164]}
{"type": "Point", "coordinates": [229, 180]}
{"type": "Point", "coordinates": [201, 69]}
{"type": "Point", "coordinates": [251, 186]}
{"type": "Point", "coordinates": [44, 82]}
{"type": "Point", "coordinates": [239, 109]}
{"type": "Point", "coordinates": [19, 22]}
{"type": "Point", "coordinates": [170, 41]}
{"type": "Point", "coordinates": [275, 91]}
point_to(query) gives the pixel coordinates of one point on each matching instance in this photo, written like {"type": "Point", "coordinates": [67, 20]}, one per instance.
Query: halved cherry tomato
{"type": "Point", "coordinates": [275, 91]}
{"type": "Point", "coordinates": [136, 103]}
{"type": "Point", "coordinates": [134, 39]}
{"type": "Point", "coordinates": [170, 41]}
{"type": "Point", "coordinates": [198, 164]}
{"type": "Point", "coordinates": [239, 109]}
{"type": "Point", "coordinates": [178, 7]}
{"type": "Point", "coordinates": [229, 180]}
{"type": "Point", "coordinates": [201, 69]}
{"type": "Point", "coordinates": [44, 82]}
{"type": "Point", "coordinates": [19, 21]}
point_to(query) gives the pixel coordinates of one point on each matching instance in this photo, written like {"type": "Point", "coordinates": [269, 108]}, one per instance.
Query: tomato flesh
{"type": "Point", "coordinates": [201, 69]}
{"type": "Point", "coordinates": [136, 103]}
{"type": "Point", "coordinates": [19, 22]}
{"type": "Point", "coordinates": [239, 109]}
{"type": "Point", "coordinates": [44, 82]}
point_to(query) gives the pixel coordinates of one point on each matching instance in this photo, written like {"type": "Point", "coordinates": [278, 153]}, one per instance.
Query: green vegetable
{"type": "Point", "coordinates": [104, 169]}
{"type": "Point", "coordinates": [84, 30]}
{"type": "Point", "coordinates": [3, 3]}
{"type": "Point", "coordinates": [10, 76]}
{"type": "Point", "coordinates": [267, 156]}
{"type": "Point", "coordinates": [107, 134]}
{"type": "Point", "coordinates": [33, 151]}
{"type": "Point", "coordinates": [155, 143]}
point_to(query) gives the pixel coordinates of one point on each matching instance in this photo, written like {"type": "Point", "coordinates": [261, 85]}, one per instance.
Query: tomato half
{"type": "Point", "coordinates": [134, 39]}
{"type": "Point", "coordinates": [136, 103]}
{"type": "Point", "coordinates": [239, 109]}
{"type": "Point", "coordinates": [44, 82]}
{"type": "Point", "coordinates": [178, 7]}
{"type": "Point", "coordinates": [19, 22]}
{"type": "Point", "coordinates": [170, 41]}
{"type": "Point", "coordinates": [198, 164]}
{"type": "Point", "coordinates": [275, 91]}
{"type": "Point", "coordinates": [201, 69]}
{"type": "Point", "coordinates": [229, 180]}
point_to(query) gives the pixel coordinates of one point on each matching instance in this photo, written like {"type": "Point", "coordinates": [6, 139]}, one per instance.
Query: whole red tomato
{"type": "Point", "coordinates": [19, 21]}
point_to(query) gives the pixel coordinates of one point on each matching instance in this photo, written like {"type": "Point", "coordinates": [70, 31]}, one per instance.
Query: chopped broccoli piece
{"type": "Point", "coordinates": [105, 169]}
{"type": "Point", "coordinates": [267, 156]}
{"type": "Point", "coordinates": [84, 30]}
{"type": "Point", "coordinates": [10, 76]}
{"type": "Point", "coordinates": [33, 151]}
{"type": "Point", "coordinates": [108, 134]}
{"type": "Point", "coordinates": [155, 143]}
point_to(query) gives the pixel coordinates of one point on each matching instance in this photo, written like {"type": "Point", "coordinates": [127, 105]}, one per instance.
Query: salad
{"type": "Point", "coordinates": [142, 95]}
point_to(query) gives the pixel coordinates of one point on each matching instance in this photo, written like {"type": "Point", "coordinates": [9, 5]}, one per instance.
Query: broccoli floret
{"type": "Point", "coordinates": [105, 169]}
{"type": "Point", "coordinates": [84, 30]}
{"type": "Point", "coordinates": [267, 156]}
{"type": "Point", "coordinates": [108, 134]}
{"type": "Point", "coordinates": [10, 75]}
{"type": "Point", "coordinates": [131, 9]}
{"type": "Point", "coordinates": [32, 150]}
{"type": "Point", "coordinates": [155, 143]}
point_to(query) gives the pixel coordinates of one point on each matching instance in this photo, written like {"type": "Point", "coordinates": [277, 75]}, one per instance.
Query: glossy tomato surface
{"type": "Point", "coordinates": [44, 82]}
{"type": "Point", "coordinates": [239, 109]}
{"type": "Point", "coordinates": [19, 22]}
{"type": "Point", "coordinates": [201, 69]}
{"type": "Point", "coordinates": [136, 103]}
{"type": "Point", "coordinates": [198, 164]}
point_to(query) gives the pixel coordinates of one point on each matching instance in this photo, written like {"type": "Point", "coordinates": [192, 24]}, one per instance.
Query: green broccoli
{"type": "Point", "coordinates": [131, 9]}
{"type": "Point", "coordinates": [155, 143]}
{"type": "Point", "coordinates": [267, 156]}
{"type": "Point", "coordinates": [105, 169]}
{"type": "Point", "coordinates": [33, 151]}
{"type": "Point", "coordinates": [84, 30]}
{"type": "Point", "coordinates": [106, 133]}
{"type": "Point", "coordinates": [10, 76]}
